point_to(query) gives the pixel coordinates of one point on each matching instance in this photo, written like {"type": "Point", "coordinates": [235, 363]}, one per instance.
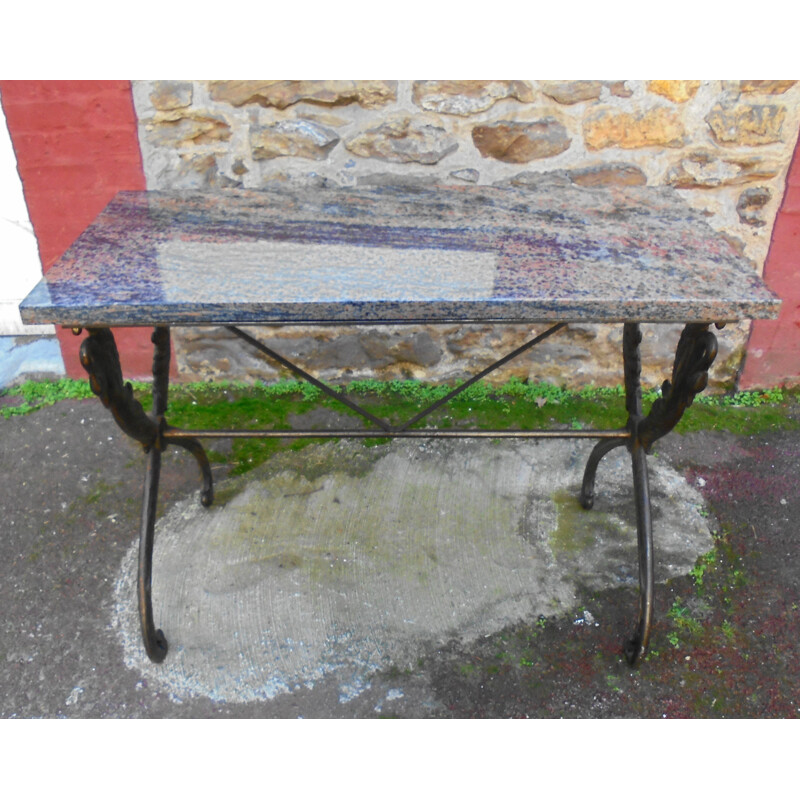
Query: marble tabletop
{"type": "Point", "coordinates": [397, 255]}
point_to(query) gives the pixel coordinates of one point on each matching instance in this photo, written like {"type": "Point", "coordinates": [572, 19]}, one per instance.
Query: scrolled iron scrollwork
{"type": "Point", "coordinates": [632, 361]}
{"type": "Point", "coordinates": [696, 351]}
{"type": "Point", "coordinates": [100, 359]}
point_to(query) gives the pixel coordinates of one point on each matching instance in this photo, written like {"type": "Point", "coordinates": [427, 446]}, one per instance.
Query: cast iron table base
{"type": "Point", "coordinates": [696, 351]}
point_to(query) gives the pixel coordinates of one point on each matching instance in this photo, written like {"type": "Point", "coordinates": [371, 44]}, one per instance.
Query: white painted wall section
{"type": "Point", "coordinates": [20, 265]}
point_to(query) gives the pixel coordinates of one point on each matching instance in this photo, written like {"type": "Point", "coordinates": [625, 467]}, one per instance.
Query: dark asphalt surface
{"type": "Point", "coordinates": [70, 500]}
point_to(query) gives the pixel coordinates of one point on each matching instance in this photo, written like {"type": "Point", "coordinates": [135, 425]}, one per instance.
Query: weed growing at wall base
{"type": "Point", "coordinates": [513, 404]}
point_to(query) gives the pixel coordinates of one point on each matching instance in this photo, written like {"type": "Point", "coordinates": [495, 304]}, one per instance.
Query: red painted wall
{"type": "Point", "coordinates": [773, 351]}
{"type": "Point", "coordinates": [76, 145]}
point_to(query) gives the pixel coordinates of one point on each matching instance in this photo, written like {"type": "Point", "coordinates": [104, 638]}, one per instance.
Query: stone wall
{"type": "Point", "coordinates": [725, 144]}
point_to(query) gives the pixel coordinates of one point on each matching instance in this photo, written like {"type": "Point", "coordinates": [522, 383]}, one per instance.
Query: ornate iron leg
{"type": "Point", "coordinates": [696, 351]}
{"type": "Point", "coordinates": [155, 643]}
{"type": "Point", "coordinates": [100, 358]}
{"type": "Point", "coordinates": [637, 645]}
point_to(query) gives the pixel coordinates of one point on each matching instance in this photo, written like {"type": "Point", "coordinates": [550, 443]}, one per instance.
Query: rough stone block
{"type": "Point", "coordinates": [658, 127]}
{"type": "Point", "coordinates": [170, 95]}
{"type": "Point", "coordinates": [468, 175]}
{"type": "Point", "coordinates": [467, 97]}
{"type": "Point", "coordinates": [556, 177]}
{"type": "Point", "coordinates": [676, 91]}
{"type": "Point", "coordinates": [765, 87]}
{"type": "Point", "coordinates": [521, 142]}
{"type": "Point", "coordinates": [193, 171]}
{"type": "Point", "coordinates": [619, 89]}
{"type": "Point", "coordinates": [333, 354]}
{"type": "Point", "coordinates": [571, 92]}
{"type": "Point", "coordinates": [292, 137]}
{"type": "Point", "coordinates": [282, 94]}
{"type": "Point", "coordinates": [404, 140]}
{"type": "Point", "coordinates": [608, 175]}
{"type": "Point", "coordinates": [581, 355]}
{"type": "Point", "coordinates": [323, 118]}
{"type": "Point", "coordinates": [750, 206]}
{"type": "Point", "coordinates": [748, 125]}
{"type": "Point", "coordinates": [185, 129]}
{"type": "Point", "coordinates": [704, 169]}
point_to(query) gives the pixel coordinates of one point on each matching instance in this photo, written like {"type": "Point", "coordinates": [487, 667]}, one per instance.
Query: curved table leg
{"type": "Point", "coordinates": [631, 339]}
{"type": "Point", "coordinates": [695, 353]}
{"type": "Point", "coordinates": [590, 473]}
{"type": "Point", "coordinates": [636, 646]}
{"type": "Point", "coordinates": [100, 358]}
{"type": "Point", "coordinates": [155, 642]}
{"type": "Point", "coordinates": [198, 451]}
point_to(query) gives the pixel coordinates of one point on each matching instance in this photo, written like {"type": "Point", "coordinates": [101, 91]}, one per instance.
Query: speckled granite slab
{"type": "Point", "coordinates": [396, 255]}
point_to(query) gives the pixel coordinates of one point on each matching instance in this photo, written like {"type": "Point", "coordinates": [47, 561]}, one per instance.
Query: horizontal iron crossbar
{"type": "Point", "coordinates": [177, 434]}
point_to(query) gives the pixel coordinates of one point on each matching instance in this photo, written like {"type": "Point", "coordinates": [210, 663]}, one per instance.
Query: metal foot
{"type": "Point", "coordinates": [636, 646]}
{"type": "Point", "coordinates": [590, 473]}
{"type": "Point", "coordinates": [196, 449]}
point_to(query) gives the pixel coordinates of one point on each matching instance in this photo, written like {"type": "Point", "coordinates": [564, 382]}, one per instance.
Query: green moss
{"type": "Point", "coordinates": [316, 461]}
{"type": "Point", "coordinates": [576, 529]}
{"type": "Point", "coordinates": [682, 618]}
{"type": "Point", "coordinates": [698, 571]}
{"type": "Point", "coordinates": [515, 404]}
{"type": "Point", "coordinates": [38, 394]}
{"type": "Point", "coordinates": [741, 420]}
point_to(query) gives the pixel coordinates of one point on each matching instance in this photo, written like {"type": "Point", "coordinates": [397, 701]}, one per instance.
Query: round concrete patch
{"type": "Point", "coordinates": [340, 560]}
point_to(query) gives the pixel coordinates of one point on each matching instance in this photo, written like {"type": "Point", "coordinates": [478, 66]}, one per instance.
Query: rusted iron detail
{"type": "Point", "coordinates": [697, 349]}
{"type": "Point", "coordinates": [99, 357]}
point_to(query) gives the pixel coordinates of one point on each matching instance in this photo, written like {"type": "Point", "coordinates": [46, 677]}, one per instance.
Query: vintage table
{"type": "Point", "coordinates": [391, 255]}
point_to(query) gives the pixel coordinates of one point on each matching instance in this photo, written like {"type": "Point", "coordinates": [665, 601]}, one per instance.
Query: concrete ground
{"type": "Point", "coordinates": [439, 579]}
